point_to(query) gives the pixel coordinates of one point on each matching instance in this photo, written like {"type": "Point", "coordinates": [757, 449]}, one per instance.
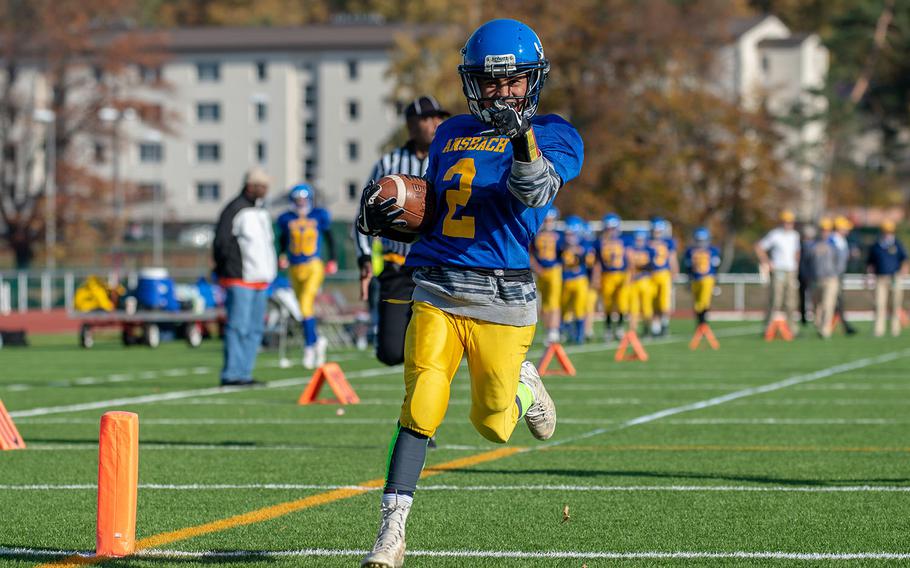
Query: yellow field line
{"type": "Point", "coordinates": [715, 448]}
{"type": "Point", "coordinates": [281, 509]}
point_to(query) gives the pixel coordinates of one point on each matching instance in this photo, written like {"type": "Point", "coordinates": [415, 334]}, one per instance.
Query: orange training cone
{"type": "Point", "coordinates": [778, 326]}
{"type": "Point", "coordinates": [905, 320]}
{"type": "Point", "coordinates": [9, 436]}
{"type": "Point", "coordinates": [704, 331]}
{"type": "Point", "coordinates": [561, 356]}
{"type": "Point", "coordinates": [329, 373]}
{"type": "Point", "coordinates": [630, 339]}
{"type": "Point", "coordinates": [118, 478]}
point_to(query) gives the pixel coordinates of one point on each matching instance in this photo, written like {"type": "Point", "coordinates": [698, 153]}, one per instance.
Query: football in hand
{"type": "Point", "coordinates": [412, 194]}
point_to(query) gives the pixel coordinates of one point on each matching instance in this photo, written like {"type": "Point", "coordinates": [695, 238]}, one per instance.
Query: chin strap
{"type": "Point", "coordinates": [524, 147]}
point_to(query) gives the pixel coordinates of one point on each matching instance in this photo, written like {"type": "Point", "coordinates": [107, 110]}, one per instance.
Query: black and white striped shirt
{"type": "Point", "coordinates": [401, 160]}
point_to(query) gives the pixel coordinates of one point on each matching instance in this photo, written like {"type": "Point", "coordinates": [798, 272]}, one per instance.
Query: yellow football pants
{"type": "Point", "coordinates": [662, 289]}
{"type": "Point", "coordinates": [702, 291]}
{"type": "Point", "coordinates": [306, 279]}
{"type": "Point", "coordinates": [434, 345]}
{"type": "Point", "coordinates": [575, 298]}
{"type": "Point", "coordinates": [614, 288]}
{"type": "Point", "coordinates": [549, 286]}
{"type": "Point", "coordinates": [641, 298]}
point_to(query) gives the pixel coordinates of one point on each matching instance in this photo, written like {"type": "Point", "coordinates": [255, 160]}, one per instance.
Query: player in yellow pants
{"type": "Point", "coordinates": [641, 295]}
{"type": "Point", "coordinates": [701, 261]}
{"type": "Point", "coordinates": [546, 266]}
{"type": "Point", "coordinates": [577, 260]}
{"type": "Point", "coordinates": [665, 268]}
{"type": "Point", "coordinates": [614, 278]}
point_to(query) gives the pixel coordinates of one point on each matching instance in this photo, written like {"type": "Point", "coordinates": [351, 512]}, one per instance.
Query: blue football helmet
{"type": "Point", "coordinates": [502, 48]}
{"type": "Point", "coordinates": [301, 191]}
{"type": "Point", "coordinates": [640, 236]}
{"type": "Point", "coordinates": [552, 213]}
{"type": "Point", "coordinates": [659, 225]}
{"type": "Point", "coordinates": [701, 235]}
{"type": "Point", "coordinates": [575, 224]}
{"type": "Point", "coordinates": [611, 221]}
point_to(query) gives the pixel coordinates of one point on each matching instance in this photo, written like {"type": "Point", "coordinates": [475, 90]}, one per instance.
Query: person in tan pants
{"type": "Point", "coordinates": [778, 258]}
{"type": "Point", "coordinates": [888, 262]}
{"type": "Point", "coordinates": [824, 267]}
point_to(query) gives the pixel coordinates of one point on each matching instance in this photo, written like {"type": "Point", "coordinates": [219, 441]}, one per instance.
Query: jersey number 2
{"type": "Point", "coordinates": [463, 227]}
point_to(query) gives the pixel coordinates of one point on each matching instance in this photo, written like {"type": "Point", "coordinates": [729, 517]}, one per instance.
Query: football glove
{"type": "Point", "coordinates": [376, 216]}
{"type": "Point", "coordinates": [507, 121]}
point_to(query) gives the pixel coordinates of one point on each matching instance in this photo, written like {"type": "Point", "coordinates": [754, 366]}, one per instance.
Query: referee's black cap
{"type": "Point", "coordinates": [425, 105]}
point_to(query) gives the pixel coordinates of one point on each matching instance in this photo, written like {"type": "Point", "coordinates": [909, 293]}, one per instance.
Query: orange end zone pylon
{"type": "Point", "coordinates": [329, 373]}
{"type": "Point", "coordinates": [703, 331]}
{"type": "Point", "coordinates": [778, 326]}
{"type": "Point", "coordinates": [118, 478]}
{"type": "Point", "coordinates": [630, 339]}
{"type": "Point", "coordinates": [9, 436]}
{"type": "Point", "coordinates": [555, 349]}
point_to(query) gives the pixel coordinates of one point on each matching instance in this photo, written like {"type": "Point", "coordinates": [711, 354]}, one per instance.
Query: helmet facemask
{"type": "Point", "coordinates": [503, 66]}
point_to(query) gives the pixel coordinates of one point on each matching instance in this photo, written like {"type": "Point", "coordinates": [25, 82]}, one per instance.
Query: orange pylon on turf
{"type": "Point", "coordinates": [630, 339]}
{"type": "Point", "coordinates": [704, 331]}
{"type": "Point", "coordinates": [835, 321]}
{"type": "Point", "coordinates": [778, 326]}
{"type": "Point", "coordinates": [332, 374]}
{"type": "Point", "coordinates": [904, 318]}
{"type": "Point", "coordinates": [9, 436]}
{"type": "Point", "coordinates": [555, 349]}
{"type": "Point", "coordinates": [118, 478]}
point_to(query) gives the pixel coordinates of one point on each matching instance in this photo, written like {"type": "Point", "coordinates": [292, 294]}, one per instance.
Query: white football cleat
{"type": "Point", "coordinates": [309, 357]}
{"type": "Point", "coordinates": [388, 552]}
{"type": "Point", "coordinates": [321, 344]}
{"type": "Point", "coordinates": [541, 416]}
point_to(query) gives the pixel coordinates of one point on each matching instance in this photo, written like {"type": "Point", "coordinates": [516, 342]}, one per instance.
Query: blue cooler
{"type": "Point", "coordinates": [155, 290]}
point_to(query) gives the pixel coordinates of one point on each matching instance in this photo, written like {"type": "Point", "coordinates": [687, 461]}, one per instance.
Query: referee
{"type": "Point", "coordinates": [423, 115]}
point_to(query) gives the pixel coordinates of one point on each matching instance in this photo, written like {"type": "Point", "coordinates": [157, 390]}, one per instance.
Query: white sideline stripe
{"type": "Point", "coordinates": [567, 488]}
{"type": "Point", "coordinates": [176, 395]}
{"type": "Point", "coordinates": [771, 387]}
{"type": "Point", "coordinates": [511, 554]}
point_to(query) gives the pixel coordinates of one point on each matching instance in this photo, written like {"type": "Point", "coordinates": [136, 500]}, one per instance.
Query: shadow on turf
{"type": "Point", "coordinates": [248, 556]}
{"type": "Point", "coordinates": [681, 475]}
{"type": "Point", "coordinates": [226, 443]}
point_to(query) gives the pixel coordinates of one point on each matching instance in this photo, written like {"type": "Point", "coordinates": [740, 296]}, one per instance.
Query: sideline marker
{"type": "Point", "coordinates": [630, 339]}
{"type": "Point", "coordinates": [704, 331]}
{"type": "Point", "coordinates": [561, 356]}
{"type": "Point", "coordinates": [778, 326]}
{"type": "Point", "coordinates": [329, 373]}
{"type": "Point", "coordinates": [9, 435]}
{"type": "Point", "coordinates": [118, 478]}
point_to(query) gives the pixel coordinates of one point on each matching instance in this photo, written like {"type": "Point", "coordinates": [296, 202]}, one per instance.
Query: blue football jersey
{"type": "Point", "coordinates": [702, 261]}
{"type": "Point", "coordinates": [546, 248]}
{"type": "Point", "coordinates": [577, 260]}
{"type": "Point", "coordinates": [612, 254]}
{"type": "Point", "coordinates": [663, 248]}
{"type": "Point", "coordinates": [301, 236]}
{"type": "Point", "coordinates": [479, 223]}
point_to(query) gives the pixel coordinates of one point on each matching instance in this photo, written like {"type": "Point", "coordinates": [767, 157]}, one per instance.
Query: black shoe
{"type": "Point", "coordinates": [851, 331]}
{"type": "Point", "coordinates": [431, 443]}
{"type": "Point", "coordinates": [242, 383]}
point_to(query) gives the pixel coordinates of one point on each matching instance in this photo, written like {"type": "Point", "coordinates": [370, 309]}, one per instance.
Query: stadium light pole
{"type": "Point", "coordinates": [49, 119]}
{"type": "Point", "coordinates": [113, 117]}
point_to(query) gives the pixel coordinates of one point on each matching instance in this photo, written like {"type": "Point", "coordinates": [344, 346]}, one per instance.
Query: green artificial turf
{"type": "Point", "coordinates": [630, 487]}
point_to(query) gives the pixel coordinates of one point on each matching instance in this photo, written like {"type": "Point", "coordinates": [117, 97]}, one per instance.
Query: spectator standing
{"type": "Point", "coordinates": [888, 262]}
{"type": "Point", "coordinates": [842, 228]}
{"type": "Point", "coordinates": [805, 276]}
{"type": "Point", "coordinates": [778, 256]}
{"type": "Point", "coordinates": [245, 263]}
{"type": "Point", "coordinates": [825, 268]}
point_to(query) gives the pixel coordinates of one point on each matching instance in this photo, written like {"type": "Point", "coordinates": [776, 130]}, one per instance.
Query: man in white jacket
{"type": "Point", "coordinates": [245, 263]}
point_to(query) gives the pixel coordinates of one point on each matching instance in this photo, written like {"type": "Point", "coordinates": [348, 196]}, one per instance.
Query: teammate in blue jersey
{"type": "Point", "coordinates": [577, 259]}
{"type": "Point", "coordinates": [547, 268]}
{"type": "Point", "coordinates": [666, 267]}
{"type": "Point", "coordinates": [640, 266]}
{"type": "Point", "coordinates": [614, 277]}
{"type": "Point", "coordinates": [495, 173]}
{"type": "Point", "coordinates": [701, 261]}
{"type": "Point", "coordinates": [301, 233]}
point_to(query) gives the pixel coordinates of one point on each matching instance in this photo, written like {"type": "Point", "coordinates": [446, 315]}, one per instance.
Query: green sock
{"type": "Point", "coordinates": [524, 398]}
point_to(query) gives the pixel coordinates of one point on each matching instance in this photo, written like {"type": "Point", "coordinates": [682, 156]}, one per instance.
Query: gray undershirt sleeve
{"type": "Point", "coordinates": [534, 183]}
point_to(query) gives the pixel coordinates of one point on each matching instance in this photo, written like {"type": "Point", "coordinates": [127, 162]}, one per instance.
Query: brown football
{"type": "Point", "coordinates": [414, 195]}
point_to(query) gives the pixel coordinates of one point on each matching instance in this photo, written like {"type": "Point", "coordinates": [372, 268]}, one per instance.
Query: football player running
{"type": "Point", "coordinates": [545, 262]}
{"type": "Point", "coordinates": [495, 173]}
{"type": "Point", "coordinates": [701, 261]}
{"type": "Point", "coordinates": [301, 232]}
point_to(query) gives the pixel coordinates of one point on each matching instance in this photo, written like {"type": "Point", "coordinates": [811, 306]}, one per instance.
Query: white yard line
{"type": "Point", "coordinates": [457, 488]}
{"type": "Point", "coordinates": [8, 552]}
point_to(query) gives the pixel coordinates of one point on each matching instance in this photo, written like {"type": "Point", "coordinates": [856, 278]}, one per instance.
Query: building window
{"type": "Point", "coordinates": [765, 63]}
{"type": "Point", "coordinates": [352, 190]}
{"type": "Point", "coordinates": [310, 96]}
{"type": "Point", "coordinates": [208, 71]}
{"type": "Point", "coordinates": [149, 191]}
{"type": "Point", "coordinates": [309, 132]}
{"type": "Point", "coordinates": [9, 152]}
{"type": "Point", "coordinates": [353, 110]}
{"type": "Point", "coordinates": [100, 153]}
{"type": "Point", "coordinates": [208, 191]}
{"type": "Point", "coordinates": [262, 70]}
{"type": "Point", "coordinates": [98, 73]}
{"type": "Point", "coordinates": [208, 152]}
{"type": "Point", "coordinates": [262, 112]}
{"type": "Point", "coordinates": [309, 167]}
{"type": "Point", "coordinates": [353, 69]}
{"type": "Point", "coordinates": [353, 150]}
{"type": "Point", "coordinates": [150, 74]}
{"type": "Point", "coordinates": [151, 152]}
{"type": "Point", "coordinates": [260, 151]}
{"type": "Point", "coordinates": [208, 112]}
{"type": "Point", "coordinates": [399, 108]}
